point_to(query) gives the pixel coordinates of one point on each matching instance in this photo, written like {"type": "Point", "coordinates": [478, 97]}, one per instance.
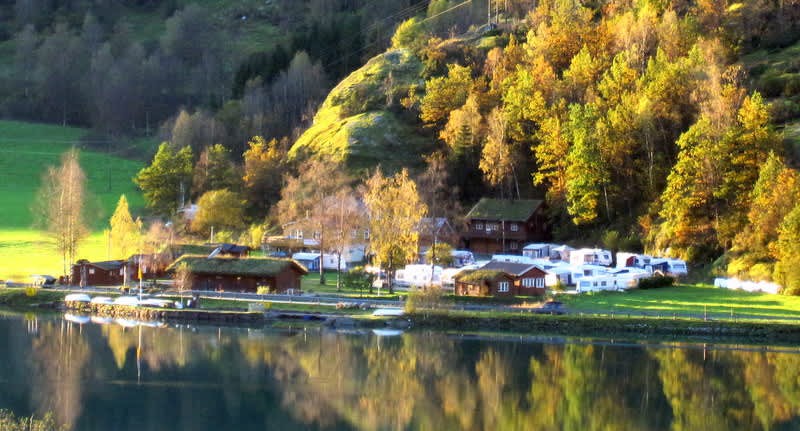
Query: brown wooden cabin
{"type": "Point", "coordinates": [504, 226]}
{"type": "Point", "coordinates": [529, 280]}
{"type": "Point", "coordinates": [241, 275]}
{"type": "Point", "coordinates": [482, 282]}
{"type": "Point", "coordinates": [501, 279]}
{"type": "Point", "coordinates": [106, 273]}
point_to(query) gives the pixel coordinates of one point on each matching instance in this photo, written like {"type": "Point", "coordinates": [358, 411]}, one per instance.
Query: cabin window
{"type": "Point", "coordinates": [478, 226]}
{"type": "Point", "coordinates": [121, 271]}
{"type": "Point", "coordinates": [513, 245]}
{"type": "Point", "coordinates": [514, 227]}
{"type": "Point", "coordinates": [91, 270]}
{"type": "Point", "coordinates": [316, 235]}
{"type": "Point", "coordinates": [298, 234]}
{"type": "Point", "coordinates": [366, 234]}
{"type": "Point", "coordinates": [490, 227]}
{"type": "Point", "coordinates": [539, 282]}
{"type": "Point", "coordinates": [502, 286]}
{"type": "Point", "coordinates": [602, 283]}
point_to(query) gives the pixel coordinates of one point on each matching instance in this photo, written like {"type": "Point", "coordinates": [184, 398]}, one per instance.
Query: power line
{"type": "Point", "coordinates": [365, 47]}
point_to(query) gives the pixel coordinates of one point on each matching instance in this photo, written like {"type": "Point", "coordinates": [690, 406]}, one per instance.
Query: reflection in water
{"type": "Point", "coordinates": [99, 377]}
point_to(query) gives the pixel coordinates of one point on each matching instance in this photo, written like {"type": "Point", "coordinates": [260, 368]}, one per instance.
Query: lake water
{"type": "Point", "coordinates": [111, 377]}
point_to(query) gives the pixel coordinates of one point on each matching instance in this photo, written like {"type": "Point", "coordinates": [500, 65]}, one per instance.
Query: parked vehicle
{"type": "Point", "coordinates": [551, 307]}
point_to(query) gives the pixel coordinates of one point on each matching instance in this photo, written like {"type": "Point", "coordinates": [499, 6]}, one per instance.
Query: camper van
{"type": "Point", "coordinates": [462, 258]}
{"type": "Point", "coordinates": [311, 261]}
{"type": "Point", "coordinates": [418, 275]}
{"type": "Point", "coordinates": [673, 267]}
{"type": "Point", "coordinates": [632, 260]}
{"type": "Point", "coordinates": [592, 256]}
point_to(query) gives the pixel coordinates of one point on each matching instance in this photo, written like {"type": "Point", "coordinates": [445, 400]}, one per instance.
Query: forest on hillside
{"type": "Point", "coordinates": [643, 122]}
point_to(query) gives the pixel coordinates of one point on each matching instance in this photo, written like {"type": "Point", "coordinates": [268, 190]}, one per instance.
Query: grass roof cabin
{"type": "Point", "coordinates": [240, 275]}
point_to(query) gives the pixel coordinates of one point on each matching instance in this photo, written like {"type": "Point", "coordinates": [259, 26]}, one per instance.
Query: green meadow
{"type": "Point", "coordinates": [26, 150]}
{"type": "Point", "coordinates": [686, 300]}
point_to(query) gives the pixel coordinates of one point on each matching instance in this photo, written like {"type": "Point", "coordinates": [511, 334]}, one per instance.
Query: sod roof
{"type": "Point", "coordinates": [504, 209]}
{"type": "Point", "coordinates": [254, 267]}
{"type": "Point", "coordinates": [479, 275]}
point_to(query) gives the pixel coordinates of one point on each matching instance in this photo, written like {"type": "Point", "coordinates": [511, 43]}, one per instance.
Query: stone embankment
{"type": "Point", "coordinates": [165, 314]}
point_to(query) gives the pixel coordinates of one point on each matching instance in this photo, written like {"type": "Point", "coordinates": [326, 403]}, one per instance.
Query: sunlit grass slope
{"type": "Point", "coordinates": [26, 150]}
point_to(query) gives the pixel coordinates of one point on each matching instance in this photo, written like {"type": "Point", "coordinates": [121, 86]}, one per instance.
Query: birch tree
{"type": "Point", "coordinates": [59, 206]}
{"type": "Point", "coordinates": [306, 200]}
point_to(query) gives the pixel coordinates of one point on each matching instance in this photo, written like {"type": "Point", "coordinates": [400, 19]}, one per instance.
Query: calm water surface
{"type": "Point", "coordinates": [111, 377]}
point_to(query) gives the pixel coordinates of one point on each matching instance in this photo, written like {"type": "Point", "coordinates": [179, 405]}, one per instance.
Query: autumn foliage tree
{"type": "Point", "coordinates": [125, 233]}
{"type": "Point", "coordinates": [222, 210]}
{"type": "Point", "coordinates": [395, 210]}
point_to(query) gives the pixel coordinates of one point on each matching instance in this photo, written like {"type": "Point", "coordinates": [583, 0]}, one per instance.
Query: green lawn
{"type": "Point", "coordinates": [26, 149]}
{"type": "Point", "coordinates": [310, 284]}
{"type": "Point", "coordinates": [684, 299]}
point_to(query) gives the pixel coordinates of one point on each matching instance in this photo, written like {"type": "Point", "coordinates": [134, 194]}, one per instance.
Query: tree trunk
{"type": "Point", "coordinates": [339, 272]}
{"type": "Point", "coordinates": [321, 258]}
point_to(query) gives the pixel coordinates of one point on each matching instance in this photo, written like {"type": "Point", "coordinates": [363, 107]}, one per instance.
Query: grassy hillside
{"type": "Point", "coordinates": [354, 123]}
{"type": "Point", "coordinates": [776, 74]}
{"type": "Point", "coordinates": [25, 152]}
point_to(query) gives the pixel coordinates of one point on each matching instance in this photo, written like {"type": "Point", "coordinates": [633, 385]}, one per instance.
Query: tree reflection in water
{"type": "Point", "coordinates": [206, 378]}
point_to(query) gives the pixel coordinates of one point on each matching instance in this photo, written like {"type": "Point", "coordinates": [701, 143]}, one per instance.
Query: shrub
{"type": "Point", "coordinates": [9, 422]}
{"type": "Point", "coordinates": [656, 282]}
{"type": "Point", "coordinates": [423, 298]}
{"type": "Point", "coordinates": [791, 86]}
{"type": "Point", "coordinates": [771, 85]}
{"type": "Point", "coordinates": [263, 290]}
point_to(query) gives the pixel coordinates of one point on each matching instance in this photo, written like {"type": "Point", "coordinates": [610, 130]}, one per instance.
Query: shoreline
{"type": "Point", "coordinates": [640, 328]}
{"type": "Point", "coordinates": [759, 331]}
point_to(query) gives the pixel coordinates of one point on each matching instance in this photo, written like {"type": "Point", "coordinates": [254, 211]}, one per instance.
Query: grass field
{"type": "Point", "coordinates": [685, 300]}
{"type": "Point", "coordinates": [26, 150]}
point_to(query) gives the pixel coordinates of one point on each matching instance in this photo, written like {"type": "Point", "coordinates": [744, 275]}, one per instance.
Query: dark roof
{"type": "Point", "coordinates": [479, 275]}
{"type": "Point", "coordinates": [227, 248]}
{"type": "Point", "coordinates": [516, 269]}
{"type": "Point", "coordinates": [504, 209]}
{"type": "Point", "coordinates": [257, 267]}
{"type": "Point", "coordinates": [108, 265]}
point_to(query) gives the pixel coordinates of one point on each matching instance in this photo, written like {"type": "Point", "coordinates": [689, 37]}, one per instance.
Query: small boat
{"type": "Point", "coordinates": [77, 297]}
{"type": "Point", "coordinates": [156, 303]}
{"type": "Point", "coordinates": [131, 301]}
{"type": "Point", "coordinates": [395, 312]}
{"type": "Point", "coordinates": [387, 332]}
{"type": "Point", "coordinates": [105, 300]}
{"type": "Point", "coordinates": [76, 318]}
